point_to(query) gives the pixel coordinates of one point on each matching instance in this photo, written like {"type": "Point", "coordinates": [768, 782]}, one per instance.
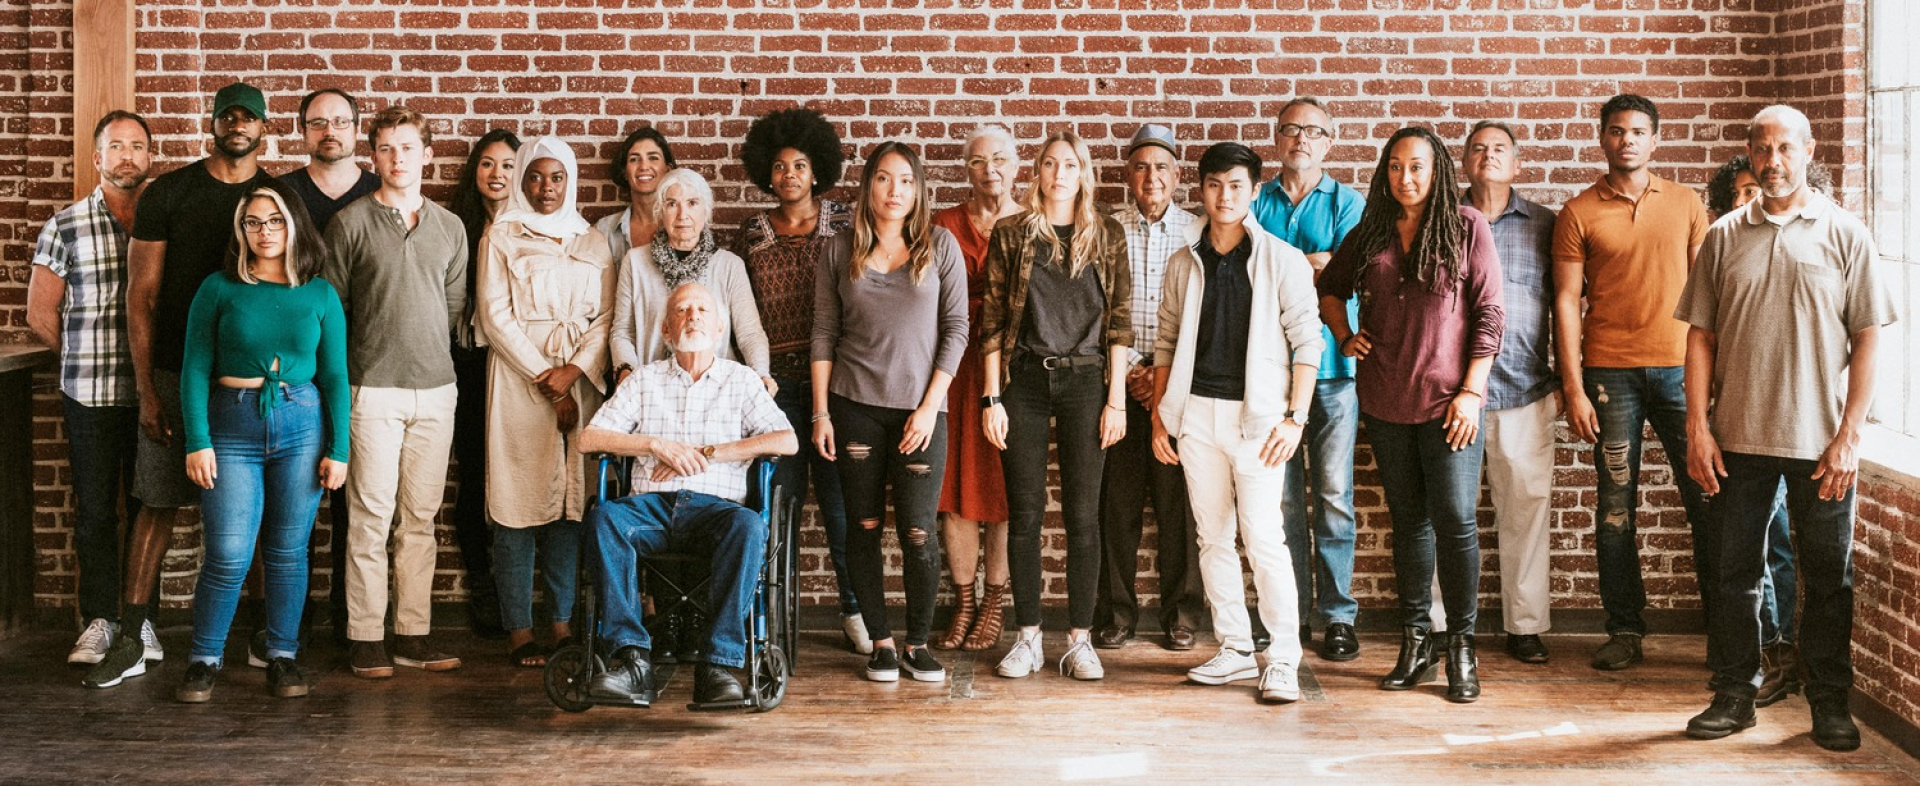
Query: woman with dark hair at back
{"type": "Point", "coordinates": [1431, 320]}
{"type": "Point", "coordinates": [485, 182]}
{"type": "Point", "coordinates": [638, 163]}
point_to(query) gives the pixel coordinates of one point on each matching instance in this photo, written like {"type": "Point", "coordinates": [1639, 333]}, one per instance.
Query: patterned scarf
{"type": "Point", "coordinates": [680, 271]}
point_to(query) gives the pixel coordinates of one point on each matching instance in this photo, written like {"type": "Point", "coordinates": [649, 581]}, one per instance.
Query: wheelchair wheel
{"type": "Point", "coordinates": [770, 679]}
{"type": "Point", "coordinates": [569, 670]}
{"type": "Point", "coordinates": [789, 601]}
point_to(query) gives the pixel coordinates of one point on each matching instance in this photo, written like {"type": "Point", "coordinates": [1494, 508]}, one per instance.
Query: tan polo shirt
{"type": "Point", "coordinates": [1635, 257]}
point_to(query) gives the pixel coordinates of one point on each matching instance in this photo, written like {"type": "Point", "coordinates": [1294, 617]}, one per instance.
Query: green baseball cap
{"type": "Point", "coordinates": [242, 95]}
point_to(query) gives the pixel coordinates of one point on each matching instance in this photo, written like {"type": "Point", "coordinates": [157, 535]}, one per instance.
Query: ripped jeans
{"type": "Point", "coordinates": [867, 445]}
{"type": "Point", "coordinates": [1625, 399]}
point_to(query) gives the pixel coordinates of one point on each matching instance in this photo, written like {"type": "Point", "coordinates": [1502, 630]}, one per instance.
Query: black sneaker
{"type": "Point", "coordinates": [416, 653]}
{"type": "Point", "coordinates": [369, 660]}
{"type": "Point", "coordinates": [884, 666]}
{"type": "Point", "coordinates": [920, 665]}
{"type": "Point", "coordinates": [285, 679]}
{"type": "Point", "coordinates": [125, 658]}
{"type": "Point", "coordinates": [1621, 651]}
{"type": "Point", "coordinates": [197, 688]}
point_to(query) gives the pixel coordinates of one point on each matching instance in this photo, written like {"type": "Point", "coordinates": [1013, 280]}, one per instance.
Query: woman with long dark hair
{"type": "Point", "coordinates": [639, 163]}
{"type": "Point", "coordinates": [264, 394]}
{"type": "Point", "coordinates": [1431, 319]}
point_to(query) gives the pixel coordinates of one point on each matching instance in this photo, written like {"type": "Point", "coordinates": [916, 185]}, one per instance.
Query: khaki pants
{"type": "Point", "coordinates": [1520, 479]}
{"type": "Point", "coordinates": [401, 439]}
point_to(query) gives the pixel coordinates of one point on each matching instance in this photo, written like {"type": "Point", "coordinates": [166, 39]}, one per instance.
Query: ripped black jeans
{"type": "Point", "coordinates": [867, 443]}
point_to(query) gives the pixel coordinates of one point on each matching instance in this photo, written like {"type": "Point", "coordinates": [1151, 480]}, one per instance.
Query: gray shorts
{"type": "Point", "coordinates": [160, 471]}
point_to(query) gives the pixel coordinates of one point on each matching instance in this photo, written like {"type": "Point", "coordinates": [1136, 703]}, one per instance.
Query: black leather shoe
{"type": "Point", "coordinates": [1306, 634]}
{"type": "Point", "coordinates": [715, 685]}
{"type": "Point", "coordinates": [1622, 650]}
{"type": "Point", "coordinates": [1526, 648]}
{"type": "Point", "coordinates": [1261, 640]}
{"type": "Point", "coordinates": [1112, 637]}
{"type": "Point", "coordinates": [1180, 638]}
{"type": "Point", "coordinates": [1833, 726]}
{"type": "Point", "coordinates": [1463, 669]}
{"type": "Point", "coordinates": [627, 680]}
{"type": "Point", "coordinates": [1416, 663]}
{"type": "Point", "coordinates": [1339, 643]}
{"type": "Point", "coordinates": [1726, 715]}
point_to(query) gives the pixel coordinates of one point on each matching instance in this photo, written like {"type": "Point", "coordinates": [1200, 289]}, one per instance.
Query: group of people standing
{"type": "Point", "coordinates": [271, 338]}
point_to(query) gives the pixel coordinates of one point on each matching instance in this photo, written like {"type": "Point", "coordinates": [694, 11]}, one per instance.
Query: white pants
{"type": "Point", "coordinates": [400, 441]}
{"type": "Point", "coordinates": [1520, 476]}
{"type": "Point", "coordinates": [1232, 492]}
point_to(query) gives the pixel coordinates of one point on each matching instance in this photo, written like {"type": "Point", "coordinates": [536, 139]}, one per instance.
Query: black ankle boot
{"type": "Point", "coordinates": [1463, 669]}
{"type": "Point", "coordinates": [1416, 663]}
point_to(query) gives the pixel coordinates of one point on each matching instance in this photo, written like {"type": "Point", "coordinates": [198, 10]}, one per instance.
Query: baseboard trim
{"type": "Point", "coordinates": [1903, 733]}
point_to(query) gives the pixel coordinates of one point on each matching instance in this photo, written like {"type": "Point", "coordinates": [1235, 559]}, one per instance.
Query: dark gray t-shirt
{"type": "Point", "coordinates": [885, 334]}
{"type": "Point", "coordinates": [1065, 315]}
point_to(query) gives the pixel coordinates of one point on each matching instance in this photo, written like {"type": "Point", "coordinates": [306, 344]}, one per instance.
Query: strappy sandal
{"type": "Point", "coordinates": [991, 619]}
{"type": "Point", "coordinates": [528, 656]}
{"type": "Point", "coordinates": [963, 615]}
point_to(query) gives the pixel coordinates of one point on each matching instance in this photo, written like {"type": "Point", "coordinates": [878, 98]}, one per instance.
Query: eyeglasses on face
{"type": "Point", "coordinates": [982, 162]}
{"type": "Point", "coordinates": [255, 226]}
{"type": "Point", "coordinates": [321, 123]}
{"type": "Point", "coordinates": [1311, 132]}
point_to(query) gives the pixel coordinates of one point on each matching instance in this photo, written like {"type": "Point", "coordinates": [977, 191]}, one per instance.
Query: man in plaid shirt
{"type": "Point", "coordinates": [694, 423]}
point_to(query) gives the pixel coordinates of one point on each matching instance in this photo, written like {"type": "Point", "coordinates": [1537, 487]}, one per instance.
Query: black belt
{"type": "Point", "coordinates": [1063, 361]}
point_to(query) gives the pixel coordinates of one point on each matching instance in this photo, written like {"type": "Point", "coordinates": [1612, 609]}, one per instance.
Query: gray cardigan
{"type": "Point", "coordinates": [640, 300]}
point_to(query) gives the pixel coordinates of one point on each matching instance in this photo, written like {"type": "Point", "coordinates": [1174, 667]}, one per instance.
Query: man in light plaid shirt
{"type": "Point", "coordinates": [694, 423]}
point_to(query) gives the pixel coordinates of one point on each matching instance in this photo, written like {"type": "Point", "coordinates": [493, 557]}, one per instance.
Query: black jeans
{"type": "Point", "coordinates": [1432, 494]}
{"type": "Point", "coordinates": [1070, 399]}
{"type": "Point", "coordinates": [1132, 475]}
{"type": "Point", "coordinates": [1823, 537]}
{"type": "Point", "coordinates": [470, 527]}
{"type": "Point", "coordinates": [867, 445]}
{"type": "Point", "coordinates": [99, 443]}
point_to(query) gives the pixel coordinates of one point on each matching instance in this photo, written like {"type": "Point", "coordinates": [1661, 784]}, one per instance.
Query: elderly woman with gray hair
{"type": "Point", "coordinates": [684, 251]}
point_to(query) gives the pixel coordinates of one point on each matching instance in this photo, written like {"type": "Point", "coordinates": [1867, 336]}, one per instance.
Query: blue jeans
{"type": "Point", "coordinates": [1743, 512]}
{"type": "Point", "coordinates": [1624, 399]}
{"type": "Point", "coordinates": [626, 529]}
{"type": "Point", "coordinates": [97, 450]}
{"type": "Point", "coordinates": [513, 552]}
{"type": "Point", "coordinates": [795, 400]}
{"type": "Point", "coordinates": [1432, 493]}
{"type": "Point", "coordinates": [1332, 426]}
{"type": "Point", "coordinates": [1781, 596]}
{"type": "Point", "coordinates": [267, 489]}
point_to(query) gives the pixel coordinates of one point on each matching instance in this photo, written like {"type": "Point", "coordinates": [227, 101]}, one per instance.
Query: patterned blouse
{"type": "Point", "coordinates": [781, 270]}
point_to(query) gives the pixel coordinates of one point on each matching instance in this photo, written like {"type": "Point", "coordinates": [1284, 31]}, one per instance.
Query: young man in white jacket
{"type": "Point", "coordinates": [1233, 386]}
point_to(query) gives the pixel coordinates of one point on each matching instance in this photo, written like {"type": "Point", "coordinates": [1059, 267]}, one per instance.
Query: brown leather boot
{"type": "Point", "coordinates": [1780, 673]}
{"type": "Point", "coordinates": [962, 619]}
{"type": "Point", "coordinates": [992, 619]}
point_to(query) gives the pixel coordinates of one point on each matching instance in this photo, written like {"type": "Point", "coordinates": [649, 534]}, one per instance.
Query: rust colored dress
{"type": "Point", "coordinates": [975, 488]}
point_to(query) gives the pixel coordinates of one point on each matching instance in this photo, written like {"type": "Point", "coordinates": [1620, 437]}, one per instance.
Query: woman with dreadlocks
{"type": "Point", "coordinates": [1424, 267]}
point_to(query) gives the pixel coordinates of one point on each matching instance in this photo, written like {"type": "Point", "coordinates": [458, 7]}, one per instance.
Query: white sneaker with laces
{"type": "Point", "coordinates": [1081, 663]}
{"type": "Point", "coordinates": [1228, 666]}
{"type": "Point", "coordinates": [151, 641]}
{"type": "Point", "coordinates": [855, 629]}
{"type": "Point", "coordinates": [1280, 683]}
{"type": "Point", "coordinates": [92, 646]}
{"type": "Point", "coordinates": [1024, 659]}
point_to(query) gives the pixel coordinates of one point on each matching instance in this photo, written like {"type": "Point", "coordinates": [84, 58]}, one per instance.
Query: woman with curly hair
{"type": "Point", "coordinates": [793, 155]}
{"type": "Point", "coordinates": [1431, 319]}
{"type": "Point", "coordinates": [638, 163]}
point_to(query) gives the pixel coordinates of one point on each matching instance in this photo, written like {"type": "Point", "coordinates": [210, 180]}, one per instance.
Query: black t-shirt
{"type": "Point", "coordinates": [1064, 314]}
{"type": "Point", "coordinates": [320, 206]}
{"type": "Point", "coordinates": [192, 212]}
{"type": "Point", "coordinates": [1226, 312]}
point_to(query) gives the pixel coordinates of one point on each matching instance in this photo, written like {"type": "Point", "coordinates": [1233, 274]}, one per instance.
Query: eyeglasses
{"type": "Point", "coordinates": [255, 226]}
{"type": "Point", "coordinates": [1310, 132]}
{"type": "Point", "coordinates": [321, 123]}
{"type": "Point", "coordinates": [983, 163]}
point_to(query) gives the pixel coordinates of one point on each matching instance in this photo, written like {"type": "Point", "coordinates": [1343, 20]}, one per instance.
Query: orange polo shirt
{"type": "Point", "coordinates": [1634, 257]}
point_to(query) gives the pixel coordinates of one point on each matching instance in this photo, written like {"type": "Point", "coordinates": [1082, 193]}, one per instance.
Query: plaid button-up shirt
{"type": "Point", "coordinates": [1523, 371]}
{"type": "Point", "coordinates": [661, 400]}
{"type": "Point", "coordinates": [87, 248]}
{"type": "Point", "coordinates": [1149, 243]}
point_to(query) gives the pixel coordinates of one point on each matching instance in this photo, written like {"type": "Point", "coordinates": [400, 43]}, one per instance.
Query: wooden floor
{"type": "Point", "coordinates": [1561, 723]}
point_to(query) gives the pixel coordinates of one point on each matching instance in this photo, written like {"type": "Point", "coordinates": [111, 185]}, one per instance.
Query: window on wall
{"type": "Point", "coordinates": [1893, 154]}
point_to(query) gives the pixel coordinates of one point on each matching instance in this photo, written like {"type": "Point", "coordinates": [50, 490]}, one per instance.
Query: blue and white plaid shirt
{"type": "Point", "coordinates": [1149, 243]}
{"type": "Point", "coordinates": [1523, 371]}
{"type": "Point", "coordinates": [729, 403]}
{"type": "Point", "coordinates": [85, 247]}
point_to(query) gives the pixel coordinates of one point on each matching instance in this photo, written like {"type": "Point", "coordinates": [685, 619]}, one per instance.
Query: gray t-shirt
{"type": "Point", "coordinates": [403, 290]}
{"type": "Point", "coordinates": [886, 335]}
{"type": "Point", "coordinates": [1783, 302]}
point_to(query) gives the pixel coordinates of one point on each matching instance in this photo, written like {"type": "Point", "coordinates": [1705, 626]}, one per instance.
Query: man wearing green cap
{"type": "Point", "coordinates": [181, 229]}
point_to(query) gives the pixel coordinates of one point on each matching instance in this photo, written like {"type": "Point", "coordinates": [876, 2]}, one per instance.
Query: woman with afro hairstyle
{"type": "Point", "coordinates": [793, 155]}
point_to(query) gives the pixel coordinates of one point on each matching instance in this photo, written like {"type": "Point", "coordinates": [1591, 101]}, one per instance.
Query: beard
{"type": "Point", "coordinates": [1779, 188]}
{"type": "Point", "coordinates": [236, 145]}
{"type": "Point", "coordinates": [691, 342]}
{"type": "Point", "coordinates": [125, 179]}
{"type": "Point", "coordinates": [327, 155]}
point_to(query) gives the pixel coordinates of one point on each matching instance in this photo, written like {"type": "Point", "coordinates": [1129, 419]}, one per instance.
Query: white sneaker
{"type": "Point", "coordinates": [1225, 667]}
{"type": "Point", "coordinates": [856, 633]}
{"type": "Point", "coordinates": [93, 642]}
{"type": "Point", "coordinates": [1024, 659]}
{"type": "Point", "coordinates": [151, 641]}
{"type": "Point", "coordinates": [1081, 663]}
{"type": "Point", "coordinates": [1280, 683]}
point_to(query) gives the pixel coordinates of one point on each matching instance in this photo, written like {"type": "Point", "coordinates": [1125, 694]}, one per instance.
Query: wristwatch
{"type": "Point", "coordinates": [707, 451]}
{"type": "Point", "coordinates": [1298, 416]}
{"type": "Point", "coordinates": [989, 401]}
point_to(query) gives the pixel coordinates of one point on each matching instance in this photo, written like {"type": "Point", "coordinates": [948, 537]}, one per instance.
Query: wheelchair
{"type": "Point", "coordinates": [770, 625]}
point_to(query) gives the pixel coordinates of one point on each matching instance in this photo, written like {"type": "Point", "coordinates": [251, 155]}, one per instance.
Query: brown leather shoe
{"type": "Point", "coordinates": [1180, 638]}
{"type": "Point", "coordinates": [369, 660]}
{"type": "Point", "coordinates": [1112, 637]}
{"type": "Point", "coordinates": [414, 652]}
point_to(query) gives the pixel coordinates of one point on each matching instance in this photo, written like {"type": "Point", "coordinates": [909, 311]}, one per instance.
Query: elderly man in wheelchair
{"type": "Point", "coordinates": [693, 423]}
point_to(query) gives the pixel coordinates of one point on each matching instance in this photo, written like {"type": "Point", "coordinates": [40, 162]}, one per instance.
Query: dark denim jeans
{"type": "Point", "coordinates": [1781, 597]}
{"type": "Point", "coordinates": [1824, 528]}
{"type": "Point", "coordinates": [867, 442]}
{"type": "Point", "coordinates": [796, 402]}
{"type": "Point", "coordinates": [99, 449]}
{"type": "Point", "coordinates": [1069, 399]}
{"type": "Point", "coordinates": [1132, 475]}
{"type": "Point", "coordinates": [1326, 451]}
{"type": "Point", "coordinates": [1625, 399]}
{"type": "Point", "coordinates": [626, 529]}
{"type": "Point", "coordinates": [1432, 493]}
{"type": "Point", "coordinates": [267, 489]}
{"type": "Point", "coordinates": [558, 546]}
